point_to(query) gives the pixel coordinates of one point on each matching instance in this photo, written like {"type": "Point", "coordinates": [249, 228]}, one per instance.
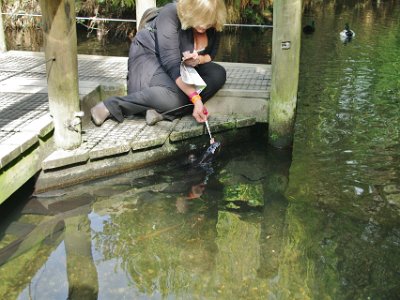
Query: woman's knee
{"type": "Point", "coordinates": [214, 75]}
{"type": "Point", "coordinates": [220, 75]}
{"type": "Point", "coordinates": [164, 99]}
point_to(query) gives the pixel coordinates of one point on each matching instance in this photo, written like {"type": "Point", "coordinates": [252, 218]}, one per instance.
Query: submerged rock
{"type": "Point", "coordinates": [252, 194]}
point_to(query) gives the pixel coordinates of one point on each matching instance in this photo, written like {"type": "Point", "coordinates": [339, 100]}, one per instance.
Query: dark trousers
{"type": "Point", "coordinates": [163, 94]}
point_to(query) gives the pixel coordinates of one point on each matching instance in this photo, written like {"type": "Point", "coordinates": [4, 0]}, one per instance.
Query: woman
{"type": "Point", "coordinates": [187, 31]}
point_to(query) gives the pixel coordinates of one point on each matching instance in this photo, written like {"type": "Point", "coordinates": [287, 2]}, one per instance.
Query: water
{"type": "Point", "coordinates": [171, 231]}
{"type": "Point", "coordinates": [233, 47]}
{"type": "Point", "coordinates": [344, 186]}
{"type": "Point", "coordinates": [320, 222]}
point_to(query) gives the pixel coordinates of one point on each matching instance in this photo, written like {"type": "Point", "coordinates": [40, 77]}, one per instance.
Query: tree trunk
{"type": "Point", "coordinates": [59, 29]}
{"type": "Point", "coordinates": [141, 6]}
{"type": "Point", "coordinates": [285, 71]}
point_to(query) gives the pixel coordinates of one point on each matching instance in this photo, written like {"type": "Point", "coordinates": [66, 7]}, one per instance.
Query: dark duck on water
{"type": "Point", "coordinates": [309, 28]}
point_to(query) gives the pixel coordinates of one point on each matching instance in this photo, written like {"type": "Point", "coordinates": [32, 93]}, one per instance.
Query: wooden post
{"type": "Point", "coordinates": [59, 30]}
{"type": "Point", "coordinates": [141, 6]}
{"type": "Point", "coordinates": [285, 71]}
{"type": "Point", "coordinates": [3, 47]}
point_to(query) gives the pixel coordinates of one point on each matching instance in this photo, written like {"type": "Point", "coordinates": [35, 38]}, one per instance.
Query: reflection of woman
{"type": "Point", "coordinates": [196, 191]}
{"type": "Point", "coordinates": [180, 32]}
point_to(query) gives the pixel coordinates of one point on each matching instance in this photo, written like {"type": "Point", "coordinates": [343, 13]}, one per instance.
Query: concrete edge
{"type": "Point", "coordinates": [63, 177]}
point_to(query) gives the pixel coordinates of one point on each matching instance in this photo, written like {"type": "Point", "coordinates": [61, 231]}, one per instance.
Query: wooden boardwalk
{"type": "Point", "coordinates": [26, 127]}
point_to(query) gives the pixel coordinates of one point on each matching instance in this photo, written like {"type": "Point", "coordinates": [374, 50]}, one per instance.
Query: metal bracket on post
{"type": "Point", "coordinates": [285, 45]}
{"type": "Point", "coordinates": [74, 123]}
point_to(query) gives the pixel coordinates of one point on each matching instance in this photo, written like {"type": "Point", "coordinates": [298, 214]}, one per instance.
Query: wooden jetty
{"type": "Point", "coordinates": [65, 148]}
{"type": "Point", "coordinates": [27, 147]}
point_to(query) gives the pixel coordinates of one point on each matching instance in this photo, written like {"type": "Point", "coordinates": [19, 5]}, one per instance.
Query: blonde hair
{"type": "Point", "coordinates": [194, 13]}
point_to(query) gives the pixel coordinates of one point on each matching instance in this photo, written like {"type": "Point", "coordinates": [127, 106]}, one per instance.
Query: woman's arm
{"type": "Point", "coordinates": [167, 40]}
{"type": "Point", "coordinates": [199, 111]}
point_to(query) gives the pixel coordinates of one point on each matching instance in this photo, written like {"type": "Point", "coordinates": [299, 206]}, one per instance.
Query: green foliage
{"type": "Point", "coordinates": [120, 3]}
{"type": "Point", "coordinates": [249, 11]}
{"type": "Point", "coordinates": [251, 15]}
{"type": "Point", "coordinates": [162, 2]}
{"type": "Point", "coordinates": [20, 6]}
{"type": "Point", "coordinates": [245, 11]}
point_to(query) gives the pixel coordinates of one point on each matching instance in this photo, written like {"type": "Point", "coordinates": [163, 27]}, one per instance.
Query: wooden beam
{"type": "Point", "coordinates": [59, 30]}
{"type": "Point", "coordinates": [3, 46]}
{"type": "Point", "coordinates": [19, 172]}
{"type": "Point", "coordinates": [286, 42]}
{"type": "Point", "coordinates": [141, 7]}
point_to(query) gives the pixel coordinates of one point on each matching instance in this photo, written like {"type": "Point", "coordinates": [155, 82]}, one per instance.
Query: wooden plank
{"type": "Point", "coordinates": [186, 128]}
{"type": "Point", "coordinates": [118, 139]}
{"type": "Point", "coordinates": [152, 136]}
{"type": "Point", "coordinates": [14, 177]}
{"type": "Point", "coordinates": [62, 158]}
{"type": "Point", "coordinates": [23, 166]}
{"type": "Point", "coordinates": [41, 126]}
{"type": "Point", "coordinates": [8, 153]}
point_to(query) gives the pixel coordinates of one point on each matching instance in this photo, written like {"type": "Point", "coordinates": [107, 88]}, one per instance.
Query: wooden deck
{"type": "Point", "coordinates": [26, 127]}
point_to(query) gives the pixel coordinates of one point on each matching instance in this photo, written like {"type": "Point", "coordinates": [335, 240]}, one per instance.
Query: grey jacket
{"type": "Point", "coordinates": [160, 45]}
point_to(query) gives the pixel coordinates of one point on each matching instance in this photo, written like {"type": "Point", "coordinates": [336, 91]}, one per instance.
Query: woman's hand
{"type": "Point", "coordinates": [192, 62]}
{"type": "Point", "coordinates": [191, 59]}
{"type": "Point", "coordinates": [199, 112]}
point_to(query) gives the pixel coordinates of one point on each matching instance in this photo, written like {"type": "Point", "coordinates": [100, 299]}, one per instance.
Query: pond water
{"type": "Point", "coordinates": [318, 221]}
{"type": "Point", "coordinates": [237, 44]}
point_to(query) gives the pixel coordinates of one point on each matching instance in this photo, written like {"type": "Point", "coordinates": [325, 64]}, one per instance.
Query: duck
{"type": "Point", "coordinates": [309, 28]}
{"type": "Point", "coordinates": [347, 33]}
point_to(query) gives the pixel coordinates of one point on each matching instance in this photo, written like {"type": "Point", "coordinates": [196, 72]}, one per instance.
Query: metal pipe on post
{"type": "Point", "coordinates": [141, 7]}
{"type": "Point", "coordinates": [3, 46]}
{"type": "Point", "coordinates": [286, 42]}
{"type": "Point", "coordinates": [59, 30]}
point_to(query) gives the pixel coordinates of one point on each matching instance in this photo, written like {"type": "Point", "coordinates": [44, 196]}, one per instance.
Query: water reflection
{"type": "Point", "coordinates": [25, 40]}
{"type": "Point", "coordinates": [169, 231]}
{"type": "Point", "coordinates": [173, 232]}
{"type": "Point", "coordinates": [233, 47]}
{"type": "Point", "coordinates": [343, 228]}
{"type": "Point", "coordinates": [255, 48]}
